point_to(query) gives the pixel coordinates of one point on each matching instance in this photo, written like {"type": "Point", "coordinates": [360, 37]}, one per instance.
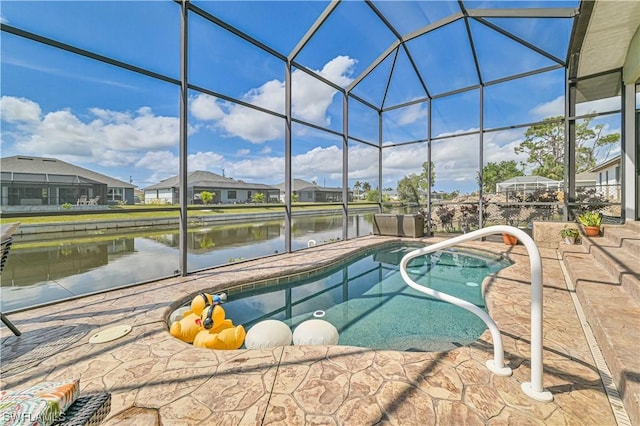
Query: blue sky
{"type": "Point", "coordinates": [124, 124]}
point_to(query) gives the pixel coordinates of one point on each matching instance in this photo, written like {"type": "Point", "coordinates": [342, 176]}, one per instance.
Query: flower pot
{"type": "Point", "coordinates": [509, 240]}
{"type": "Point", "coordinates": [592, 231]}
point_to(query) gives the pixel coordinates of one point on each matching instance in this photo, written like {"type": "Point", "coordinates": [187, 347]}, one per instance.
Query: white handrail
{"type": "Point", "coordinates": [533, 389]}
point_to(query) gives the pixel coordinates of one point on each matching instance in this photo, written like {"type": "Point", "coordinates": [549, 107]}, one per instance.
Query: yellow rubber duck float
{"type": "Point", "coordinates": [219, 332]}
{"type": "Point", "coordinates": [187, 328]}
{"type": "Point", "coordinates": [205, 325]}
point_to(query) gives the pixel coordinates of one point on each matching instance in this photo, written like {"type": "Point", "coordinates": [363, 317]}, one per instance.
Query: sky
{"type": "Point", "coordinates": [126, 125]}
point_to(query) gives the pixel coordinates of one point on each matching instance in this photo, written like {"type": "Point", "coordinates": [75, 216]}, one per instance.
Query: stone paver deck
{"type": "Point", "coordinates": [156, 379]}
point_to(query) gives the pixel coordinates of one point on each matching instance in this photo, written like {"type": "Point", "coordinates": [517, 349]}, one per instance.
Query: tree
{"type": "Point", "coordinates": [206, 196]}
{"type": "Point", "coordinates": [356, 187]}
{"type": "Point", "coordinates": [493, 173]}
{"type": "Point", "coordinates": [373, 194]}
{"type": "Point", "coordinates": [366, 186]}
{"type": "Point", "coordinates": [545, 146]}
{"type": "Point", "coordinates": [409, 187]}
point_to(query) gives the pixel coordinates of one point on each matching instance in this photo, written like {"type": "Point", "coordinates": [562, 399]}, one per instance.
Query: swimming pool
{"type": "Point", "coordinates": [371, 306]}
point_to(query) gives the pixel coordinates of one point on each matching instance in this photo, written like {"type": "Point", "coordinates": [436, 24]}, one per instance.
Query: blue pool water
{"type": "Point", "coordinates": [371, 306]}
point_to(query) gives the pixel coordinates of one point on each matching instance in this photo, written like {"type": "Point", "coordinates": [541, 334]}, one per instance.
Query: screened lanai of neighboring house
{"type": "Point", "coordinates": [425, 95]}
{"type": "Point", "coordinates": [528, 184]}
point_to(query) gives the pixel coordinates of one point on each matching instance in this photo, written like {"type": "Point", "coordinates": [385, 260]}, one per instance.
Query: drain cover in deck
{"type": "Point", "coordinates": [110, 334]}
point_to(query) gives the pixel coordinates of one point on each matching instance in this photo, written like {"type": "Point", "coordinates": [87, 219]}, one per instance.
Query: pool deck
{"type": "Point", "coordinates": [155, 379]}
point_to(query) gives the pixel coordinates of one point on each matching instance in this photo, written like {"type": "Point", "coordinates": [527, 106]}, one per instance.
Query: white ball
{"type": "Point", "coordinates": [315, 332]}
{"type": "Point", "coordinates": [268, 334]}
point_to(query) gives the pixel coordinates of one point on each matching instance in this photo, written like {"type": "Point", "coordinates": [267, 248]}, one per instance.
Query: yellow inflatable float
{"type": "Point", "coordinates": [187, 328]}
{"type": "Point", "coordinates": [218, 332]}
{"type": "Point", "coordinates": [205, 325]}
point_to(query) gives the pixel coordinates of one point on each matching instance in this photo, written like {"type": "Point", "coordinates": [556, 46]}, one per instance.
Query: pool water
{"type": "Point", "coordinates": [371, 306]}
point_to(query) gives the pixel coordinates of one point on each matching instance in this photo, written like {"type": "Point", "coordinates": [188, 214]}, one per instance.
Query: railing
{"type": "Point", "coordinates": [533, 389]}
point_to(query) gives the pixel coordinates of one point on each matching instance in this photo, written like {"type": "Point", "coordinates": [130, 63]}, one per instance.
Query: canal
{"type": "Point", "coordinates": [44, 268]}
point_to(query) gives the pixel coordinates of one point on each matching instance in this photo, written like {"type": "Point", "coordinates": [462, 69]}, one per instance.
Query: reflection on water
{"type": "Point", "coordinates": [68, 265]}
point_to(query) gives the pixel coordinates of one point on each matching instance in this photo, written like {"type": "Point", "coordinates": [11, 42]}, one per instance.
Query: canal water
{"type": "Point", "coordinates": [58, 266]}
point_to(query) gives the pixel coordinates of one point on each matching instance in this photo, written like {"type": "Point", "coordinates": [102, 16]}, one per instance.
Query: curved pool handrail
{"type": "Point", "coordinates": [533, 389]}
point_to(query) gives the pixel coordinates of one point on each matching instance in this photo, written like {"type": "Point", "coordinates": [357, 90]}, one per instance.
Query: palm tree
{"type": "Point", "coordinates": [356, 187]}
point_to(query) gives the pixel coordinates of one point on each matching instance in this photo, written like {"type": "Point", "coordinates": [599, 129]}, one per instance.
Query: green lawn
{"type": "Point", "coordinates": [158, 212]}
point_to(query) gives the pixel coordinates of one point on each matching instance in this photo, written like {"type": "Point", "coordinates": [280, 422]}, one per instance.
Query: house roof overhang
{"type": "Point", "coordinates": [602, 36]}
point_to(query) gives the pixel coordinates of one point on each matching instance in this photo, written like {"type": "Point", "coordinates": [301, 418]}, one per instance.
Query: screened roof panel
{"type": "Point", "coordinates": [353, 31]}
{"type": "Point", "coordinates": [446, 118]}
{"type": "Point", "coordinates": [363, 121]}
{"type": "Point", "coordinates": [372, 88]}
{"type": "Point", "coordinates": [524, 100]}
{"type": "Point", "coordinates": [409, 16]}
{"type": "Point", "coordinates": [223, 62]}
{"type": "Point", "coordinates": [405, 85]}
{"type": "Point", "coordinates": [549, 34]}
{"type": "Point", "coordinates": [94, 25]}
{"type": "Point", "coordinates": [405, 124]}
{"type": "Point", "coordinates": [500, 56]}
{"type": "Point", "coordinates": [265, 20]}
{"type": "Point", "coordinates": [445, 69]}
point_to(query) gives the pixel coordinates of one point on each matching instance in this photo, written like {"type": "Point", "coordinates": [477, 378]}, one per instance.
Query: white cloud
{"type": "Point", "coordinates": [251, 125]}
{"type": "Point", "coordinates": [268, 170]}
{"type": "Point", "coordinates": [243, 152]}
{"type": "Point", "coordinates": [110, 139]}
{"type": "Point", "coordinates": [413, 113]}
{"type": "Point", "coordinates": [600, 105]}
{"type": "Point", "coordinates": [204, 107]}
{"type": "Point", "coordinates": [164, 164]}
{"type": "Point", "coordinates": [310, 100]}
{"type": "Point", "coordinates": [205, 161]}
{"type": "Point", "coordinates": [552, 108]}
{"type": "Point", "coordinates": [14, 109]}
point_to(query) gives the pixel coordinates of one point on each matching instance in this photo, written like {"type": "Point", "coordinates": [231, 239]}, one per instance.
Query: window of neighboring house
{"type": "Point", "coordinates": [231, 195]}
{"type": "Point", "coordinates": [114, 194]}
{"type": "Point", "coordinates": [600, 178]}
{"type": "Point", "coordinates": [606, 174]}
{"type": "Point", "coordinates": [617, 174]}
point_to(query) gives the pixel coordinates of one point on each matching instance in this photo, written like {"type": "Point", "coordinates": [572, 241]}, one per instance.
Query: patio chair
{"type": "Point", "coordinates": [93, 201]}
{"type": "Point", "coordinates": [82, 200]}
{"type": "Point", "coordinates": [5, 246]}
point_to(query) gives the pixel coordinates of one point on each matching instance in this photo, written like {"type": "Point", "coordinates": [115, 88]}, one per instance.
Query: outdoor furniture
{"type": "Point", "coordinates": [93, 201]}
{"type": "Point", "coordinates": [399, 225]}
{"type": "Point", "coordinates": [82, 200]}
{"type": "Point", "coordinates": [5, 246]}
{"type": "Point", "coordinates": [54, 403]}
{"type": "Point", "coordinates": [87, 410]}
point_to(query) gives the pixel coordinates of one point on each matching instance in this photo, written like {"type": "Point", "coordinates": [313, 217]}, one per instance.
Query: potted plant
{"type": "Point", "coordinates": [591, 222]}
{"type": "Point", "coordinates": [570, 235]}
{"type": "Point", "coordinates": [511, 216]}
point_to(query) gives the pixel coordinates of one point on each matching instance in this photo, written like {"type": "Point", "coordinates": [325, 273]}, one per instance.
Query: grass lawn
{"type": "Point", "coordinates": [158, 212]}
